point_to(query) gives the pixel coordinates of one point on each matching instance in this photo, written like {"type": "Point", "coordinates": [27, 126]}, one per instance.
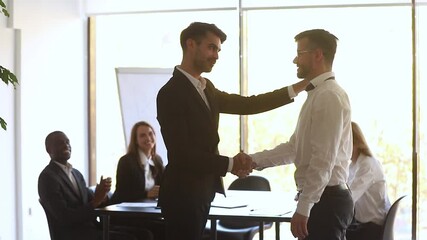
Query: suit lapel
{"type": "Point", "coordinates": [79, 184]}
{"type": "Point", "coordinates": [193, 92]}
{"type": "Point", "coordinates": [209, 98]}
{"type": "Point", "coordinates": [200, 100]}
{"type": "Point", "coordinates": [65, 179]}
{"type": "Point", "coordinates": [214, 114]}
{"type": "Point", "coordinates": [138, 162]}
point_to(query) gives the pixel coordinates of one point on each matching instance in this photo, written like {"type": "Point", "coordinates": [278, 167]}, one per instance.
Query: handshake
{"type": "Point", "coordinates": [242, 165]}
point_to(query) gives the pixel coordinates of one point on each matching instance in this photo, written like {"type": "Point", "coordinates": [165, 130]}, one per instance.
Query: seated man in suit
{"type": "Point", "coordinates": [65, 197]}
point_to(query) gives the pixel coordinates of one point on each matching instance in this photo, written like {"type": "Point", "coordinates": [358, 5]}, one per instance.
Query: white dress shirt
{"type": "Point", "coordinates": [147, 162]}
{"type": "Point", "coordinates": [321, 144]}
{"type": "Point", "coordinates": [199, 84]}
{"type": "Point", "coordinates": [368, 187]}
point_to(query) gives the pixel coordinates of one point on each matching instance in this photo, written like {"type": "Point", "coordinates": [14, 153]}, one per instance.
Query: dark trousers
{"type": "Point", "coordinates": [145, 229]}
{"type": "Point", "coordinates": [364, 231]}
{"type": "Point", "coordinates": [185, 219]}
{"type": "Point", "coordinates": [129, 233]}
{"type": "Point", "coordinates": [331, 216]}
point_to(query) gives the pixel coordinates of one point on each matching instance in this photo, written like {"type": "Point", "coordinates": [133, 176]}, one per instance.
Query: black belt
{"type": "Point", "coordinates": [334, 188]}
{"type": "Point", "coordinates": [328, 189]}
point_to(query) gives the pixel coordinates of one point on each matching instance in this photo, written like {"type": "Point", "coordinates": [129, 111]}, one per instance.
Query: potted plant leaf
{"type": "Point", "coordinates": [5, 74]}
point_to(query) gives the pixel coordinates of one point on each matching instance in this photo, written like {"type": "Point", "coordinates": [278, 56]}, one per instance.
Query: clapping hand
{"type": "Point", "coordinates": [242, 165]}
{"type": "Point", "coordinates": [101, 191]}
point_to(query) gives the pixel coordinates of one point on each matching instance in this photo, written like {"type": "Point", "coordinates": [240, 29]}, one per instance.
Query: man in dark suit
{"type": "Point", "coordinates": [188, 108]}
{"type": "Point", "coordinates": [64, 195]}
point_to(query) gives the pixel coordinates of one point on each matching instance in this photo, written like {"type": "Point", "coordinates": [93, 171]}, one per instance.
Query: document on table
{"type": "Point", "coordinates": [269, 211]}
{"type": "Point", "coordinates": [228, 202]}
{"type": "Point", "coordinates": [137, 204]}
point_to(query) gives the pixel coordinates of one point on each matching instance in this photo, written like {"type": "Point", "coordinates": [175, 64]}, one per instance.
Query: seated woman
{"type": "Point", "coordinates": [368, 186]}
{"type": "Point", "coordinates": [138, 175]}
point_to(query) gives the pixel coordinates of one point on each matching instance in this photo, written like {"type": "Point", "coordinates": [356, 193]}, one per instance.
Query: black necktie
{"type": "Point", "coordinates": [309, 87]}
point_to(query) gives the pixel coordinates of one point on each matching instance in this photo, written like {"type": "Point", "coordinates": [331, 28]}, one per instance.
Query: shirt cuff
{"type": "Point", "coordinates": [255, 160]}
{"type": "Point", "coordinates": [304, 207]}
{"type": "Point", "coordinates": [230, 164]}
{"type": "Point", "coordinates": [291, 92]}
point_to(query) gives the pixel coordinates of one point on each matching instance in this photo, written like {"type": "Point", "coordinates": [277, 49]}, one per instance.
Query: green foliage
{"type": "Point", "coordinates": [3, 9]}
{"type": "Point", "coordinates": [3, 123]}
{"type": "Point", "coordinates": [5, 75]}
{"type": "Point", "coordinates": [8, 77]}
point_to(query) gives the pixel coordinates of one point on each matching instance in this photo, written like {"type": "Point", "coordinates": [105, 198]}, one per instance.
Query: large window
{"type": "Point", "coordinates": [374, 64]}
{"type": "Point", "coordinates": [379, 86]}
{"type": "Point", "coordinates": [152, 41]}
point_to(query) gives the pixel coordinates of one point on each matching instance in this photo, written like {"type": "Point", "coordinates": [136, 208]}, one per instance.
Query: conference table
{"type": "Point", "coordinates": [260, 206]}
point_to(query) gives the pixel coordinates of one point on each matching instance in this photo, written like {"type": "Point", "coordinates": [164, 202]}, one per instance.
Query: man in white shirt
{"type": "Point", "coordinates": [369, 190]}
{"type": "Point", "coordinates": [321, 145]}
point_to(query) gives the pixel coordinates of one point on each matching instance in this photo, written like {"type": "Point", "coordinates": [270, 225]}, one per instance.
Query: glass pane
{"type": "Point", "coordinates": [422, 71]}
{"type": "Point", "coordinates": [315, 3]}
{"type": "Point", "coordinates": [97, 7]}
{"type": "Point", "coordinates": [152, 41]}
{"type": "Point", "coordinates": [373, 64]}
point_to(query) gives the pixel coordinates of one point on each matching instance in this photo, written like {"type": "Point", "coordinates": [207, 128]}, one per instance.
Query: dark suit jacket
{"type": "Point", "coordinates": [190, 132]}
{"type": "Point", "coordinates": [71, 214]}
{"type": "Point", "coordinates": [130, 178]}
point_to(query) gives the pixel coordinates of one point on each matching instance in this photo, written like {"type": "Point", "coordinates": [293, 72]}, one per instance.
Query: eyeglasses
{"type": "Point", "coordinates": [301, 52]}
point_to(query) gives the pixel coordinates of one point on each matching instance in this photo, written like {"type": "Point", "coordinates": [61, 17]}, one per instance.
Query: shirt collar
{"type": "Point", "coordinates": [197, 83]}
{"type": "Point", "coordinates": [319, 80]}
{"type": "Point", "coordinates": [144, 158]}
{"type": "Point", "coordinates": [66, 168]}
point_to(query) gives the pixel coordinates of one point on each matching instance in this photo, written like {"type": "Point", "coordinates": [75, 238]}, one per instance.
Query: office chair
{"type": "Point", "coordinates": [388, 233]}
{"type": "Point", "coordinates": [250, 183]}
{"type": "Point", "coordinates": [49, 222]}
{"type": "Point", "coordinates": [243, 230]}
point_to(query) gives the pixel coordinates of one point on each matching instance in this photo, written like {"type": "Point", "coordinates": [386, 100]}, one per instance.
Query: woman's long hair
{"type": "Point", "coordinates": [359, 140]}
{"type": "Point", "coordinates": [133, 145]}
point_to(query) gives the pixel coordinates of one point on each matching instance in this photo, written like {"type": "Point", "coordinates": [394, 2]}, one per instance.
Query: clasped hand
{"type": "Point", "coordinates": [242, 165]}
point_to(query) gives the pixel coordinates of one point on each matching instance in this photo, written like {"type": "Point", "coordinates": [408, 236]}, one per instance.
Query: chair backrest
{"type": "Point", "coordinates": [388, 233]}
{"type": "Point", "coordinates": [251, 182]}
{"type": "Point", "coordinates": [92, 188]}
{"type": "Point", "coordinates": [49, 221]}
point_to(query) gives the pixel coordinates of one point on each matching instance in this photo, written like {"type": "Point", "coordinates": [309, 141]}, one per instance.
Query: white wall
{"type": "Point", "coordinates": [53, 96]}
